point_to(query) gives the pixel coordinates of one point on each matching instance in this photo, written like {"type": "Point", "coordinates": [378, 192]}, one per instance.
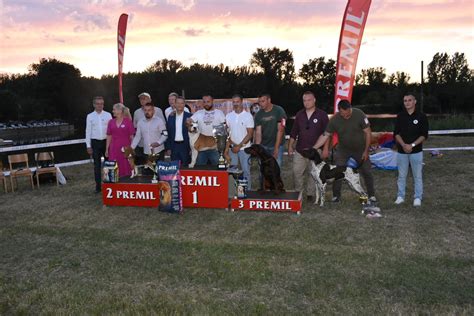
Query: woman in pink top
{"type": "Point", "coordinates": [120, 133]}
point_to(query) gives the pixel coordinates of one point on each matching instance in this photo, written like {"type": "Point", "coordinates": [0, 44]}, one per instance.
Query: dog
{"type": "Point", "coordinates": [165, 193]}
{"type": "Point", "coordinates": [323, 172]}
{"type": "Point", "coordinates": [269, 169]}
{"type": "Point", "coordinates": [129, 154]}
{"type": "Point", "coordinates": [198, 142]}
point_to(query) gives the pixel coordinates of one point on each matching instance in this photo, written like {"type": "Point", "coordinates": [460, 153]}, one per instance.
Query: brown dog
{"type": "Point", "coordinates": [269, 169]}
{"type": "Point", "coordinates": [129, 153]}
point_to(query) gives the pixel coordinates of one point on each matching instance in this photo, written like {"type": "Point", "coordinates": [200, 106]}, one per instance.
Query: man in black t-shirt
{"type": "Point", "coordinates": [411, 130]}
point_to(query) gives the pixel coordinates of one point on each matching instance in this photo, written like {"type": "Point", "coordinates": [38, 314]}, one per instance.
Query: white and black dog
{"type": "Point", "coordinates": [323, 172]}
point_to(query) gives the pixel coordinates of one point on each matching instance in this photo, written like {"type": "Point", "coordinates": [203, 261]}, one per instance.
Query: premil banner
{"type": "Point", "coordinates": [352, 29]}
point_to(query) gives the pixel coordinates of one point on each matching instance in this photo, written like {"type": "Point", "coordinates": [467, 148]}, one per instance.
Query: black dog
{"type": "Point", "coordinates": [322, 172]}
{"type": "Point", "coordinates": [268, 168]}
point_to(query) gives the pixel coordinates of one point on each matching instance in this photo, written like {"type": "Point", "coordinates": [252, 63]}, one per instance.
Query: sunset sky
{"type": "Point", "coordinates": [398, 35]}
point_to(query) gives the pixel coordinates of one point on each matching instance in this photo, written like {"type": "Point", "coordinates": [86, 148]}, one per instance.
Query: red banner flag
{"type": "Point", "coordinates": [350, 40]}
{"type": "Point", "coordinates": [121, 31]}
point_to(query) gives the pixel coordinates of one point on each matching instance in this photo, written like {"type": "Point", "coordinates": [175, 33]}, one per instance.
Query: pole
{"type": "Point", "coordinates": [421, 88]}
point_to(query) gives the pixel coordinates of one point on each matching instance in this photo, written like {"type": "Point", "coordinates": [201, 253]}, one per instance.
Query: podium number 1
{"type": "Point", "coordinates": [195, 197]}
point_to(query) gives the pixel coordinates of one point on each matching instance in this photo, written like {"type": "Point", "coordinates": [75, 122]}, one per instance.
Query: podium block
{"type": "Point", "coordinates": [205, 188]}
{"type": "Point", "coordinates": [268, 201]}
{"type": "Point", "coordinates": [131, 193]}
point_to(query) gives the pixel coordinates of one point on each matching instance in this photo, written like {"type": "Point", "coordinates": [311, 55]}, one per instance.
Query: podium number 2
{"type": "Point", "coordinates": [195, 197]}
{"type": "Point", "coordinates": [109, 193]}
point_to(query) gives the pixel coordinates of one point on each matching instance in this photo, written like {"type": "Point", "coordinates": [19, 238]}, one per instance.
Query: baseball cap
{"type": "Point", "coordinates": [144, 94]}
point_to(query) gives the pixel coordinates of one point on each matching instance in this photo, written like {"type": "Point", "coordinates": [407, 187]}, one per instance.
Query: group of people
{"type": "Point", "coordinates": [153, 132]}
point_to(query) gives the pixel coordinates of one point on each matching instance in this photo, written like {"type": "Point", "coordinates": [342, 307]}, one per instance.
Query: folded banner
{"type": "Point", "coordinates": [350, 39]}
{"type": "Point", "coordinates": [121, 31]}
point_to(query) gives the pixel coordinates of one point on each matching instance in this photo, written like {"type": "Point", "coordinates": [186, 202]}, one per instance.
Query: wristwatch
{"type": "Point", "coordinates": [413, 145]}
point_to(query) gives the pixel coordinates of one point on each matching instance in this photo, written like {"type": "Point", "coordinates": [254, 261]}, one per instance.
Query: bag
{"type": "Point", "coordinates": [171, 199]}
{"type": "Point", "coordinates": [386, 160]}
{"type": "Point", "coordinates": [110, 172]}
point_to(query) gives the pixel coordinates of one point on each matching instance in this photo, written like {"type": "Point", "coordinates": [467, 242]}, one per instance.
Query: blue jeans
{"type": "Point", "coordinates": [242, 158]}
{"type": "Point", "coordinates": [210, 155]}
{"type": "Point", "coordinates": [280, 153]}
{"type": "Point", "coordinates": [416, 163]}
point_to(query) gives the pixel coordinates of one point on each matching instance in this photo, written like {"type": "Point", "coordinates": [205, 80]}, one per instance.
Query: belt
{"type": "Point", "coordinates": [98, 140]}
{"type": "Point", "coordinates": [179, 142]}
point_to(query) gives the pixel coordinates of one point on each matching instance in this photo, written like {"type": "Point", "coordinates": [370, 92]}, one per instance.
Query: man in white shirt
{"type": "Point", "coordinates": [206, 119]}
{"type": "Point", "coordinates": [172, 105]}
{"type": "Point", "coordinates": [138, 115]}
{"type": "Point", "coordinates": [241, 126]}
{"type": "Point", "coordinates": [151, 132]}
{"type": "Point", "coordinates": [96, 135]}
{"type": "Point", "coordinates": [178, 137]}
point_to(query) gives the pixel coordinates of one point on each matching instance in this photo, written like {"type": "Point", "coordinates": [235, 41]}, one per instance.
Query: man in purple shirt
{"type": "Point", "coordinates": [309, 124]}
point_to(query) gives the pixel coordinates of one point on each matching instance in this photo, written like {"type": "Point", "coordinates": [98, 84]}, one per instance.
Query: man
{"type": "Point", "coordinates": [177, 143]}
{"type": "Point", "coordinates": [138, 115]}
{"type": "Point", "coordinates": [96, 135]}
{"type": "Point", "coordinates": [411, 130]}
{"type": "Point", "coordinates": [172, 97]}
{"type": "Point", "coordinates": [270, 127]}
{"type": "Point", "coordinates": [241, 126]}
{"type": "Point", "coordinates": [206, 118]}
{"type": "Point", "coordinates": [310, 123]}
{"type": "Point", "coordinates": [353, 130]}
{"type": "Point", "coordinates": [151, 132]}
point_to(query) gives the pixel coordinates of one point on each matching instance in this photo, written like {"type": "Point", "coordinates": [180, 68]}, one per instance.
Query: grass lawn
{"type": "Point", "coordinates": [61, 252]}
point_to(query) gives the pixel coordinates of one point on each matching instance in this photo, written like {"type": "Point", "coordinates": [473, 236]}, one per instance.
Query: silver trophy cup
{"type": "Point", "coordinates": [221, 135]}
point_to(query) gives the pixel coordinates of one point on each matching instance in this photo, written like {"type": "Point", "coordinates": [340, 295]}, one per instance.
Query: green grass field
{"type": "Point", "coordinates": [61, 252]}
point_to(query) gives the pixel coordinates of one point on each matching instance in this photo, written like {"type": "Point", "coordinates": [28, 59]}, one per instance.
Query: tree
{"type": "Point", "coordinates": [165, 66]}
{"type": "Point", "coordinates": [444, 69]}
{"type": "Point", "coordinates": [319, 76]}
{"type": "Point", "coordinates": [275, 63]}
{"type": "Point", "coordinates": [399, 79]}
{"type": "Point", "coordinates": [376, 76]}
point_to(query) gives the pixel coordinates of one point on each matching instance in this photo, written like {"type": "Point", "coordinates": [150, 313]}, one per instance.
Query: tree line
{"type": "Point", "coordinates": [55, 89]}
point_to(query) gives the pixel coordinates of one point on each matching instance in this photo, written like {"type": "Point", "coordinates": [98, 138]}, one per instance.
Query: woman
{"type": "Point", "coordinates": [120, 133]}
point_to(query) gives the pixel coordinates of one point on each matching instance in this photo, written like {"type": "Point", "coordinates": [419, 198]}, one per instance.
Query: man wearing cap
{"type": "Point", "coordinates": [138, 115]}
{"type": "Point", "coordinates": [151, 132]}
{"type": "Point", "coordinates": [353, 129]}
{"type": "Point", "coordinates": [96, 135]}
{"type": "Point", "coordinates": [172, 102]}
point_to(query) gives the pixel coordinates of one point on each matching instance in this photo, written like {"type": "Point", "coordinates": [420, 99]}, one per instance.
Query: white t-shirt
{"type": "Point", "coordinates": [206, 120]}
{"type": "Point", "coordinates": [179, 128]}
{"type": "Point", "coordinates": [238, 124]}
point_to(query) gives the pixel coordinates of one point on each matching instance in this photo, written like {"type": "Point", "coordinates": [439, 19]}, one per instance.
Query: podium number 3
{"type": "Point", "coordinates": [195, 197]}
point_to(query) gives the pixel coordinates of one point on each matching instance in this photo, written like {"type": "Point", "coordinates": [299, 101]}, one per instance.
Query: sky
{"type": "Point", "coordinates": [398, 34]}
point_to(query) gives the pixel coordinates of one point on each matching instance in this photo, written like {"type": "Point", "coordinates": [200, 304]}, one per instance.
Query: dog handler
{"type": "Point", "coordinates": [353, 129]}
{"type": "Point", "coordinates": [411, 130]}
{"type": "Point", "coordinates": [310, 123]}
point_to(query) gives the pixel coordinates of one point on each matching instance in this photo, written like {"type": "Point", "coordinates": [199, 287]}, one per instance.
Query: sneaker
{"type": "Point", "coordinates": [399, 200]}
{"type": "Point", "coordinates": [417, 202]}
{"type": "Point", "coordinates": [336, 199]}
{"type": "Point", "coordinates": [372, 199]}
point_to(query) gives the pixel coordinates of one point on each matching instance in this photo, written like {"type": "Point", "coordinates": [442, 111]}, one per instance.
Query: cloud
{"type": "Point", "coordinates": [186, 5]}
{"type": "Point", "coordinates": [192, 32]}
{"type": "Point", "coordinates": [89, 22]}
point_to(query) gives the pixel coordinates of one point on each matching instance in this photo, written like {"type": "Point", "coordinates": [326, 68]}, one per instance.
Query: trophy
{"type": "Point", "coordinates": [220, 135]}
{"type": "Point", "coordinates": [151, 164]}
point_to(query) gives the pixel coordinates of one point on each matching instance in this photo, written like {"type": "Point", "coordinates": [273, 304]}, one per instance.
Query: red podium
{"type": "Point", "coordinates": [268, 201]}
{"type": "Point", "coordinates": [201, 188]}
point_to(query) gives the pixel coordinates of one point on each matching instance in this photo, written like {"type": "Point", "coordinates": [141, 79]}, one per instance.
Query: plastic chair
{"type": "Point", "coordinates": [20, 172]}
{"type": "Point", "coordinates": [45, 165]}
